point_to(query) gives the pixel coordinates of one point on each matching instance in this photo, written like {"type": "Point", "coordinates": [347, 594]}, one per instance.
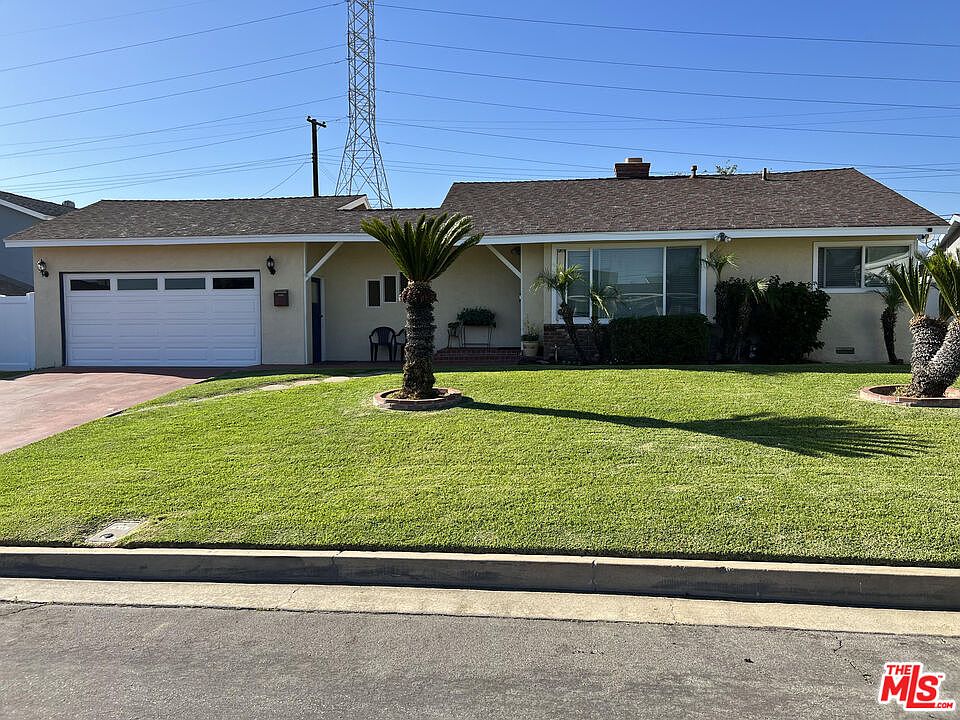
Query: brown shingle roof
{"type": "Point", "coordinates": [40, 206]}
{"type": "Point", "coordinates": [816, 198]}
{"type": "Point", "coordinates": [10, 286]}
{"type": "Point", "coordinates": [192, 218]}
{"type": "Point", "coordinates": [812, 198]}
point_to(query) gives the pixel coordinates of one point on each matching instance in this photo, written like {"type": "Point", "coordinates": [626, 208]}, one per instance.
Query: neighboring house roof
{"type": "Point", "coordinates": [9, 286]}
{"type": "Point", "coordinates": [953, 234]}
{"type": "Point", "coordinates": [32, 204]}
{"type": "Point", "coordinates": [809, 199]}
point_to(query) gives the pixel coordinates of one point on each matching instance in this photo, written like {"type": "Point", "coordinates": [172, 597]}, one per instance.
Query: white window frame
{"type": "Point", "coordinates": [366, 292]}
{"type": "Point", "coordinates": [912, 244]}
{"type": "Point", "coordinates": [590, 247]}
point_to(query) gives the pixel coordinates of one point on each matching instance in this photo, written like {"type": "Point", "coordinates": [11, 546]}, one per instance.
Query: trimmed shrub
{"type": "Point", "coordinates": [659, 340]}
{"type": "Point", "coordinates": [769, 320]}
{"type": "Point", "coordinates": [788, 321]}
{"type": "Point", "coordinates": [478, 317]}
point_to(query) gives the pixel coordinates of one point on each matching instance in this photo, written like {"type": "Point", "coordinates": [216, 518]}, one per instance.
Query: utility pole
{"type": "Point", "coordinates": [314, 124]}
{"type": "Point", "coordinates": [361, 169]}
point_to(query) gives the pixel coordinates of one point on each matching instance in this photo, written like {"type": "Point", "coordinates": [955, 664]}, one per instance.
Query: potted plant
{"type": "Point", "coordinates": [477, 317]}
{"type": "Point", "coordinates": [530, 342]}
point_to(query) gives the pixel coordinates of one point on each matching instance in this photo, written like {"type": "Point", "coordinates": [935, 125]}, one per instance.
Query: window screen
{"type": "Point", "coordinates": [839, 267]}
{"type": "Point", "coordinates": [373, 293]}
{"type": "Point", "coordinates": [390, 288]}
{"type": "Point", "coordinates": [683, 280]}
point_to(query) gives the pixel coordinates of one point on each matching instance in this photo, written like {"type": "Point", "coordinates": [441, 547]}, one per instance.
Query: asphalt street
{"type": "Point", "coordinates": [101, 662]}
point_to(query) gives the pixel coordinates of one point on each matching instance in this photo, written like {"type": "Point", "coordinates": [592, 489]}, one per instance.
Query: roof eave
{"type": "Point", "coordinates": [498, 238]}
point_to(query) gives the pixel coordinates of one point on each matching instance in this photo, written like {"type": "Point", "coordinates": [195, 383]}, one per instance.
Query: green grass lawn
{"type": "Point", "coordinates": [744, 462]}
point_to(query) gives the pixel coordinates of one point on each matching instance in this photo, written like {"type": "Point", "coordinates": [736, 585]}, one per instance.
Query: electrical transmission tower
{"type": "Point", "coordinates": [361, 169]}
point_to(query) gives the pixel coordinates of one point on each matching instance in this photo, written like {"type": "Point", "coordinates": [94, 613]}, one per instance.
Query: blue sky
{"type": "Point", "coordinates": [471, 113]}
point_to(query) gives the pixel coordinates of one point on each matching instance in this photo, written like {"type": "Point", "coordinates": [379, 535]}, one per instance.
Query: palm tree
{"type": "Point", "coordinates": [560, 281]}
{"type": "Point", "coordinates": [600, 298]}
{"type": "Point", "coordinates": [892, 302]}
{"type": "Point", "coordinates": [423, 251]}
{"type": "Point", "coordinates": [913, 281]}
{"type": "Point", "coordinates": [943, 369]}
{"type": "Point", "coordinates": [718, 261]}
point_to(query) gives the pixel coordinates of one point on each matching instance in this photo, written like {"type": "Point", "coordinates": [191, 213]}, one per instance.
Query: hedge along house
{"type": "Point", "coordinates": [294, 280]}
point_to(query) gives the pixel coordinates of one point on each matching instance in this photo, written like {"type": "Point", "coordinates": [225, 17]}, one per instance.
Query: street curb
{"type": "Point", "coordinates": [860, 585]}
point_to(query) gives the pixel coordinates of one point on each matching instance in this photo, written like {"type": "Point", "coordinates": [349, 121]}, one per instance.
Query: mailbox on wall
{"type": "Point", "coordinates": [281, 298]}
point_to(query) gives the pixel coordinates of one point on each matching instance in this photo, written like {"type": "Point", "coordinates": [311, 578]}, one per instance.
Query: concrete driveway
{"type": "Point", "coordinates": [45, 403]}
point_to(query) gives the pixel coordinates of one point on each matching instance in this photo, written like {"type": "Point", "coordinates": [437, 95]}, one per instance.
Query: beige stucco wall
{"type": "Point", "coordinates": [282, 329]}
{"type": "Point", "coordinates": [477, 278]}
{"type": "Point", "coordinates": [854, 320]}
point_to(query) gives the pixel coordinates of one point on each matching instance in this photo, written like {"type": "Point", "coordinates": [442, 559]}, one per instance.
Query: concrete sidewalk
{"type": "Point", "coordinates": [477, 603]}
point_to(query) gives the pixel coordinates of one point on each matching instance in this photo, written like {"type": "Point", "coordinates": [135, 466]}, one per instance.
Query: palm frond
{"type": "Point", "coordinates": [560, 280]}
{"type": "Point", "coordinates": [889, 292]}
{"type": "Point", "coordinates": [718, 261]}
{"type": "Point", "coordinates": [944, 270]}
{"type": "Point", "coordinates": [913, 280]}
{"type": "Point", "coordinates": [424, 250]}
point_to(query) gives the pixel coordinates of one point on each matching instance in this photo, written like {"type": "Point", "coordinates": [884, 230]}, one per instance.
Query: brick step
{"type": "Point", "coordinates": [491, 355]}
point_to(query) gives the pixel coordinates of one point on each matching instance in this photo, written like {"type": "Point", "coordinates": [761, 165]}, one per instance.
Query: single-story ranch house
{"type": "Point", "coordinates": [295, 280]}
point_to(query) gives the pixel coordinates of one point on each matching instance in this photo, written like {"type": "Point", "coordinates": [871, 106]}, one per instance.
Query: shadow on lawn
{"type": "Point", "coordinates": [811, 435]}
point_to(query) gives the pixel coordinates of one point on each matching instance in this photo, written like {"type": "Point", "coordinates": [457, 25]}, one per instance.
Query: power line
{"type": "Point", "coordinates": [165, 179]}
{"type": "Point", "coordinates": [149, 155]}
{"type": "Point", "coordinates": [726, 96]}
{"type": "Point", "coordinates": [107, 148]}
{"type": "Point", "coordinates": [105, 18]}
{"type": "Point", "coordinates": [479, 154]}
{"type": "Point", "coordinates": [687, 153]}
{"type": "Point", "coordinates": [671, 31]}
{"type": "Point", "coordinates": [287, 179]}
{"type": "Point", "coordinates": [684, 68]}
{"type": "Point", "coordinates": [179, 93]}
{"type": "Point", "coordinates": [698, 123]}
{"type": "Point", "coordinates": [169, 78]}
{"type": "Point", "coordinates": [181, 36]}
{"type": "Point", "coordinates": [76, 182]}
{"type": "Point", "coordinates": [187, 126]}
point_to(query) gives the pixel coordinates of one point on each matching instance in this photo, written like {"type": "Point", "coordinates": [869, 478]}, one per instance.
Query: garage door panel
{"type": "Point", "coordinates": [159, 327]}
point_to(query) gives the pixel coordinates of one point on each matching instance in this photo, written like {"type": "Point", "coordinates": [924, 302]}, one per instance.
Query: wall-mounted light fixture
{"type": "Point", "coordinates": [271, 265]}
{"type": "Point", "coordinates": [722, 237]}
{"type": "Point", "coordinates": [42, 268]}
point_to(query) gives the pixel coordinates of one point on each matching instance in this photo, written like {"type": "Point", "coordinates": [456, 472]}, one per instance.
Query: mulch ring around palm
{"type": "Point", "coordinates": [888, 394]}
{"type": "Point", "coordinates": [445, 398]}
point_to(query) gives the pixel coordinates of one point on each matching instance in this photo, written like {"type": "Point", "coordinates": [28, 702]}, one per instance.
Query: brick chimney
{"type": "Point", "coordinates": [632, 168]}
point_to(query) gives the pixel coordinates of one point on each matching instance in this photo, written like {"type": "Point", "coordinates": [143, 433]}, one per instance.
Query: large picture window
{"type": "Point", "coordinates": [647, 280]}
{"type": "Point", "coordinates": [856, 267]}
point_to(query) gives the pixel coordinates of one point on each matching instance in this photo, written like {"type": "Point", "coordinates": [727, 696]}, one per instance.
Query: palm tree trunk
{"type": "Point", "coordinates": [418, 378]}
{"type": "Point", "coordinates": [566, 312]}
{"type": "Point", "coordinates": [942, 370]}
{"type": "Point", "coordinates": [928, 334]}
{"type": "Point", "coordinates": [889, 321]}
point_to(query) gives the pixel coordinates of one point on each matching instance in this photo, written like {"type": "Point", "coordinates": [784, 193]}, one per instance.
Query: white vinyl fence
{"type": "Point", "coordinates": [17, 336]}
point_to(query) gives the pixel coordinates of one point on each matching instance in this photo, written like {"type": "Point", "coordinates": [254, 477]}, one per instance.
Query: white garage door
{"type": "Point", "coordinates": [162, 319]}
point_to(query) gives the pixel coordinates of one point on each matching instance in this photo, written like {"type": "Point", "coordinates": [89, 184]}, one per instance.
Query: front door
{"type": "Point", "coordinates": [316, 303]}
